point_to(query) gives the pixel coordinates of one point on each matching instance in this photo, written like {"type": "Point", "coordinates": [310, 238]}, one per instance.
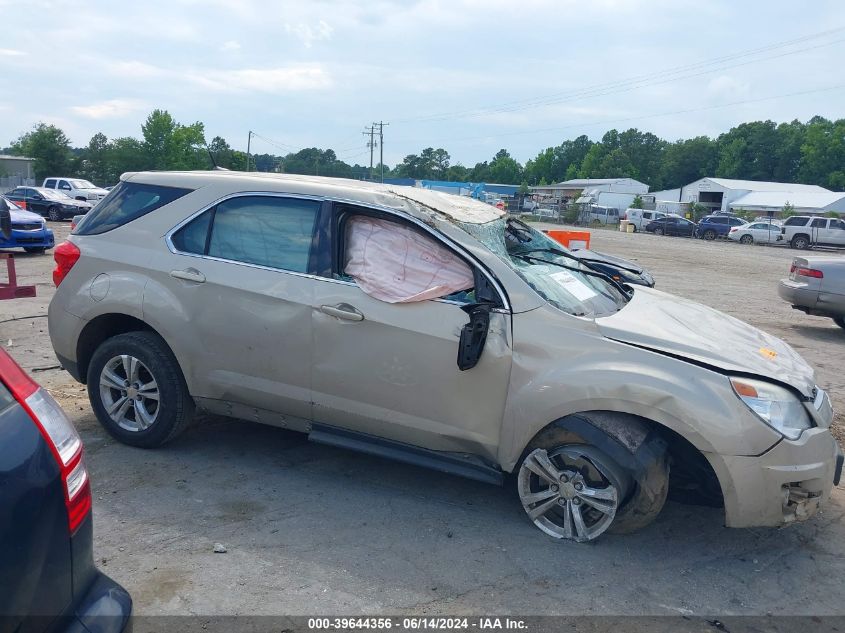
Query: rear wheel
{"type": "Point", "coordinates": [840, 321]}
{"type": "Point", "coordinates": [54, 213]}
{"type": "Point", "coordinates": [800, 242]}
{"type": "Point", "coordinates": [658, 231]}
{"type": "Point", "coordinates": [137, 390]}
{"type": "Point", "coordinates": [574, 488]}
{"type": "Point", "coordinates": [709, 235]}
{"type": "Point", "coordinates": [746, 239]}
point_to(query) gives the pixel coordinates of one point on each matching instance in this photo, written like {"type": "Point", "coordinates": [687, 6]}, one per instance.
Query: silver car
{"type": "Point", "coordinates": [816, 285]}
{"type": "Point", "coordinates": [432, 329]}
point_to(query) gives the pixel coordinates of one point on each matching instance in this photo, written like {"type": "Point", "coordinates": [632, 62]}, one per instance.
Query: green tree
{"type": "Point", "coordinates": [170, 145]}
{"type": "Point", "coordinates": [788, 209]}
{"type": "Point", "coordinates": [50, 148]}
{"type": "Point", "coordinates": [637, 202]}
{"type": "Point", "coordinates": [504, 169]}
{"type": "Point", "coordinates": [688, 160]}
{"type": "Point", "coordinates": [95, 159]}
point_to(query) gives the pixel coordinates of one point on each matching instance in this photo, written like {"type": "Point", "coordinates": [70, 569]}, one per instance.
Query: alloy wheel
{"type": "Point", "coordinates": [129, 393]}
{"type": "Point", "coordinates": [570, 492]}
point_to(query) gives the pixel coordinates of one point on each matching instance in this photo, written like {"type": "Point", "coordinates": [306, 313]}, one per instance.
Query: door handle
{"type": "Point", "coordinates": [190, 274]}
{"type": "Point", "coordinates": [342, 311]}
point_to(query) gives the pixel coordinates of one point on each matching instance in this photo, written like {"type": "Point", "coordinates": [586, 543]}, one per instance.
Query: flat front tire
{"type": "Point", "coordinates": [572, 489]}
{"type": "Point", "coordinates": [137, 390]}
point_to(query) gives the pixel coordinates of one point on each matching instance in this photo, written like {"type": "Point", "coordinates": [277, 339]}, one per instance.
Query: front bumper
{"type": "Point", "coordinates": [787, 483]}
{"type": "Point", "coordinates": [42, 238]}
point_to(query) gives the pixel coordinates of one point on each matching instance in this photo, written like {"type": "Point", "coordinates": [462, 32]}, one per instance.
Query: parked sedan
{"type": "Point", "coordinates": [47, 567]}
{"type": "Point", "coordinates": [49, 203]}
{"type": "Point", "coordinates": [816, 285]}
{"type": "Point", "coordinates": [759, 232]}
{"type": "Point", "coordinates": [672, 225]}
{"type": "Point", "coordinates": [29, 231]}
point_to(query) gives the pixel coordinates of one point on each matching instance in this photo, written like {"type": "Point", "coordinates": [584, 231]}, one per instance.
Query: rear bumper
{"type": "Point", "coordinates": [798, 294]}
{"type": "Point", "coordinates": [105, 608]}
{"type": "Point", "coordinates": [787, 483]}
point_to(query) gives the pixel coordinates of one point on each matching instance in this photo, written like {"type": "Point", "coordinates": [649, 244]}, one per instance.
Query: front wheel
{"type": "Point", "coordinates": [55, 214]}
{"type": "Point", "coordinates": [709, 235]}
{"type": "Point", "coordinates": [746, 239]}
{"type": "Point", "coordinates": [137, 390]}
{"type": "Point", "coordinates": [575, 490]}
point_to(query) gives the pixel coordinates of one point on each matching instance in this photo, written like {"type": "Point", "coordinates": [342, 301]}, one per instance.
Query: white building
{"type": "Point", "coordinates": [726, 194]}
{"type": "Point", "coordinates": [618, 193]}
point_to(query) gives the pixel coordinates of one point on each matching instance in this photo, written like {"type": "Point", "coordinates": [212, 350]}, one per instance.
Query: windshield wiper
{"type": "Point", "coordinates": [595, 272]}
{"type": "Point", "coordinates": [591, 273]}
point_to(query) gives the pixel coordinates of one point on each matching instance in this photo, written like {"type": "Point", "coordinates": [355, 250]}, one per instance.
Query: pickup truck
{"type": "Point", "coordinates": [804, 231]}
{"type": "Point", "coordinates": [76, 188]}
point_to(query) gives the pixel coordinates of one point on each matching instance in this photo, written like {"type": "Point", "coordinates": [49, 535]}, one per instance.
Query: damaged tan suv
{"type": "Point", "coordinates": [435, 330]}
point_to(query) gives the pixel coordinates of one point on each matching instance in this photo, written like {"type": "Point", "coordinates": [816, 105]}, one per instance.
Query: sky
{"type": "Point", "coordinates": [471, 76]}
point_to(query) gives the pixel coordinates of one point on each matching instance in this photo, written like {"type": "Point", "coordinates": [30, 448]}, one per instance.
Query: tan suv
{"type": "Point", "coordinates": [432, 329]}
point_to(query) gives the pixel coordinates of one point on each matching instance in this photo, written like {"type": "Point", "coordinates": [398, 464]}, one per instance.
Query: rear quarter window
{"type": "Point", "coordinates": [126, 202]}
{"type": "Point", "coordinates": [51, 184]}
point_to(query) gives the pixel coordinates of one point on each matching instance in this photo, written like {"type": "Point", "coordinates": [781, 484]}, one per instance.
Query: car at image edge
{"type": "Point", "coordinates": [28, 231]}
{"type": "Point", "coordinates": [597, 396]}
{"type": "Point", "coordinates": [816, 286]}
{"type": "Point", "coordinates": [47, 572]}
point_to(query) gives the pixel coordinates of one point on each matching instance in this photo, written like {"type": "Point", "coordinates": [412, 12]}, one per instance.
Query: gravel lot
{"type": "Point", "coordinates": [312, 529]}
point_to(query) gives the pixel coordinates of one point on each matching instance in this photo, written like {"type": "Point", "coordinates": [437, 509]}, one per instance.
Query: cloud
{"type": "Point", "coordinates": [111, 109]}
{"type": "Point", "coordinates": [11, 52]}
{"type": "Point", "coordinates": [230, 45]}
{"type": "Point", "coordinates": [268, 80]}
{"type": "Point", "coordinates": [308, 35]}
{"type": "Point", "coordinates": [134, 69]}
{"type": "Point", "coordinates": [725, 87]}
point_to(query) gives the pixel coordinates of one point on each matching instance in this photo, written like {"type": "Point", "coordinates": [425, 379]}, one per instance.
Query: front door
{"type": "Point", "coordinates": [390, 369]}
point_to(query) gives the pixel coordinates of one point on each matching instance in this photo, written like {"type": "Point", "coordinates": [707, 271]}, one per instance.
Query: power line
{"type": "Point", "coordinates": [639, 81]}
{"type": "Point", "coordinates": [636, 118]}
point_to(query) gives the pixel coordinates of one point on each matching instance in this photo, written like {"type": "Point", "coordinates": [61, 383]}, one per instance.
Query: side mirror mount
{"type": "Point", "coordinates": [5, 219]}
{"type": "Point", "coordinates": [473, 335]}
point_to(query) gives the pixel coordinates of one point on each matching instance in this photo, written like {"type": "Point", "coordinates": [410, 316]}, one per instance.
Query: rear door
{"type": "Point", "coordinates": [818, 230]}
{"type": "Point", "coordinates": [237, 302]}
{"type": "Point", "coordinates": [390, 369]}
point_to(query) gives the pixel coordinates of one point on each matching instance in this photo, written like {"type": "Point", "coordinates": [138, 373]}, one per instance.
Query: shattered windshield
{"type": "Point", "coordinates": [549, 268]}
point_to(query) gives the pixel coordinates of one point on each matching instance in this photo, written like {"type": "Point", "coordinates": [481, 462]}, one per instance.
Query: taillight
{"type": "Point", "coordinates": [66, 255]}
{"type": "Point", "coordinates": [734, 229]}
{"type": "Point", "coordinates": [806, 272]}
{"type": "Point", "coordinates": [59, 433]}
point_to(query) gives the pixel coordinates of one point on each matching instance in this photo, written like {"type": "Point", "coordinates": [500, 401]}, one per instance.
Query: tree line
{"type": "Point", "coordinates": [811, 152]}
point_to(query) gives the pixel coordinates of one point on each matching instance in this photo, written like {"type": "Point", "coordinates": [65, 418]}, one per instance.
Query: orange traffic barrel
{"type": "Point", "coordinates": [571, 239]}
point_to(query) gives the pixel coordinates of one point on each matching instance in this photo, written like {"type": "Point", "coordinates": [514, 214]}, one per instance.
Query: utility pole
{"type": "Point", "coordinates": [248, 140]}
{"type": "Point", "coordinates": [371, 131]}
{"type": "Point", "coordinates": [381, 125]}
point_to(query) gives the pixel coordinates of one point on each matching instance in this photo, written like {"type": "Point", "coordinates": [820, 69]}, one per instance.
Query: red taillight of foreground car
{"type": "Point", "coordinates": [66, 255]}
{"type": "Point", "coordinates": [806, 272]}
{"type": "Point", "coordinates": [59, 433]}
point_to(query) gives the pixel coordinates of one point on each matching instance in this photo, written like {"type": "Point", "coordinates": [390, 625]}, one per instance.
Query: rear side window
{"type": "Point", "coordinates": [270, 231]}
{"type": "Point", "coordinates": [126, 202]}
{"type": "Point", "coordinates": [819, 223]}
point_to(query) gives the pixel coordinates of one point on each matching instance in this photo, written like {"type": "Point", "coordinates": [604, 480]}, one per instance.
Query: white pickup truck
{"type": "Point", "coordinates": [804, 231]}
{"type": "Point", "coordinates": [76, 188]}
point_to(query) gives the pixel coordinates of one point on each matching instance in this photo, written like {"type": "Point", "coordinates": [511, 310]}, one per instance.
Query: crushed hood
{"type": "Point", "coordinates": [666, 323]}
{"type": "Point", "coordinates": [608, 259]}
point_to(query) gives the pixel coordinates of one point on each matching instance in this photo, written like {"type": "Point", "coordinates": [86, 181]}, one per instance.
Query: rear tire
{"type": "Point", "coordinates": [622, 489]}
{"type": "Point", "coordinates": [746, 239]}
{"type": "Point", "coordinates": [55, 214]}
{"type": "Point", "coordinates": [658, 231]}
{"type": "Point", "coordinates": [137, 378]}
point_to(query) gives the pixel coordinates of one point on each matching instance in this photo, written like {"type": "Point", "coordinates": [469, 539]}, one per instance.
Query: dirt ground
{"type": "Point", "coordinates": [313, 529]}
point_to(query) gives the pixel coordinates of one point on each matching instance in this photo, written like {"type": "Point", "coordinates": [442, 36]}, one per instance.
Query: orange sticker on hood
{"type": "Point", "coordinates": [768, 353]}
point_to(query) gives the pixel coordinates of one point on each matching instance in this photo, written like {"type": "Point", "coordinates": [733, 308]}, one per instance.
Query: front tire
{"type": "Point", "coordinates": [55, 214]}
{"type": "Point", "coordinates": [576, 488]}
{"type": "Point", "coordinates": [800, 242]}
{"type": "Point", "coordinates": [709, 235]}
{"type": "Point", "coordinates": [137, 390]}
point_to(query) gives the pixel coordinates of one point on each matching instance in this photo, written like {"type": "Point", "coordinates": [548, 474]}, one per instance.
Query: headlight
{"type": "Point", "coordinates": [776, 406]}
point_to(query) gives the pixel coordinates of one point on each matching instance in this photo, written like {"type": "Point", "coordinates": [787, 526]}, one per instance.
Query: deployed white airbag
{"type": "Point", "coordinates": [397, 264]}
